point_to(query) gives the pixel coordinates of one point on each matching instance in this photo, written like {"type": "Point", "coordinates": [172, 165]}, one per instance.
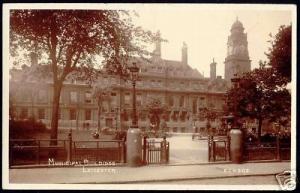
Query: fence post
{"type": "Point", "coordinates": [70, 146]}
{"type": "Point", "coordinates": [163, 156]}
{"type": "Point", "coordinates": [214, 150]}
{"type": "Point", "coordinates": [38, 156]}
{"type": "Point", "coordinates": [124, 151]}
{"type": "Point", "coordinates": [144, 150]}
{"type": "Point", "coordinates": [277, 148]}
{"type": "Point", "coordinates": [10, 161]}
{"type": "Point", "coordinates": [168, 152]}
{"type": "Point", "coordinates": [210, 150]}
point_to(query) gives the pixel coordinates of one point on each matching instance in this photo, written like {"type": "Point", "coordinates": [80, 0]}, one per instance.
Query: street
{"type": "Point", "coordinates": [247, 180]}
{"type": "Point", "coordinates": [185, 150]}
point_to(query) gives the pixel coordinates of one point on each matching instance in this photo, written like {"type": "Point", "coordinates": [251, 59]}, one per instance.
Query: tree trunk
{"type": "Point", "coordinates": [32, 106]}
{"type": "Point", "coordinates": [259, 129]}
{"type": "Point", "coordinates": [99, 114]}
{"type": "Point", "coordinates": [55, 109]}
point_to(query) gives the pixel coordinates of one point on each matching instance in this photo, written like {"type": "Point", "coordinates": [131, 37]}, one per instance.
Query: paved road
{"type": "Point", "coordinates": [246, 180]}
{"type": "Point", "coordinates": [146, 173]}
{"type": "Point", "coordinates": [185, 150]}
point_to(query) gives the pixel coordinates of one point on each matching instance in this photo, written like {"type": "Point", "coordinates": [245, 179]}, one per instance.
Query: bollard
{"type": "Point", "coordinates": [163, 156]}
{"type": "Point", "coordinates": [210, 149]}
{"type": "Point", "coordinates": [236, 145]}
{"type": "Point", "coordinates": [144, 150]}
{"type": "Point", "coordinates": [134, 147]}
{"type": "Point", "coordinates": [70, 146]}
{"type": "Point", "coordinates": [278, 148]}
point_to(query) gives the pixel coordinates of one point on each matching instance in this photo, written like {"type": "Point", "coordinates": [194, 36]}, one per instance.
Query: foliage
{"type": "Point", "coordinates": [25, 129]}
{"type": "Point", "coordinates": [155, 110]}
{"type": "Point", "coordinates": [71, 41]}
{"type": "Point", "coordinates": [279, 54]}
{"type": "Point", "coordinates": [261, 95]}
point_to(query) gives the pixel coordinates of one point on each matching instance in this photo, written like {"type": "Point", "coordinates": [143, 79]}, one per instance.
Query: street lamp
{"type": "Point", "coordinates": [116, 117]}
{"type": "Point", "coordinates": [235, 80]}
{"type": "Point", "coordinates": [236, 135]}
{"type": "Point", "coordinates": [134, 70]}
{"type": "Point", "coordinates": [134, 135]}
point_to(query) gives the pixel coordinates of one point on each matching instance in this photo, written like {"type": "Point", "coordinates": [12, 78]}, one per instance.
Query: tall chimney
{"type": "Point", "coordinates": [184, 54]}
{"type": "Point", "coordinates": [157, 51]}
{"type": "Point", "coordinates": [213, 73]}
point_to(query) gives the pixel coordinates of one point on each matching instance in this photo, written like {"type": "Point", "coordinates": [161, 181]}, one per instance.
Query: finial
{"type": "Point", "coordinates": [237, 18]}
{"type": "Point", "coordinates": [158, 32]}
{"type": "Point", "coordinates": [184, 44]}
{"type": "Point", "coordinates": [213, 60]}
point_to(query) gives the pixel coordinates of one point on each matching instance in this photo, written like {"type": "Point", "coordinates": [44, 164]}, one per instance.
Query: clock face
{"type": "Point", "coordinates": [242, 50]}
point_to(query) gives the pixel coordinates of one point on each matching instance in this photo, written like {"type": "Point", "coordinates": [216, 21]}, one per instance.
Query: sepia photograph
{"type": "Point", "coordinates": [149, 96]}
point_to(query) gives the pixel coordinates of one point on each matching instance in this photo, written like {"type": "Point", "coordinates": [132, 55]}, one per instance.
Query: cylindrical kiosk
{"type": "Point", "coordinates": [134, 147]}
{"type": "Point", "coordinates": [236, 148]}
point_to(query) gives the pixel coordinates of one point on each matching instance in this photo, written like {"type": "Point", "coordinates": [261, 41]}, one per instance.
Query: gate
{"type": "Point", "coordinates": [218, 148]}
{"type": "Point", "coordinates": [155, 152]}
{"type": "Point", "coordinates": [99, 151]}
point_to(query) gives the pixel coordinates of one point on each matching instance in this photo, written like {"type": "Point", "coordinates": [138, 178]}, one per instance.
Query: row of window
{"type": "Point", "coordinates": [41, 114]}
{"type": "Point", "coordinates": [73, 114]}
{"type": "Point", "coordinates": [74, 98]}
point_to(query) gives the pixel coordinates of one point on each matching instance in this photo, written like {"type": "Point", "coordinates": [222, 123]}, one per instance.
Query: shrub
{"type": "Point", "coordinates": [25, 129]}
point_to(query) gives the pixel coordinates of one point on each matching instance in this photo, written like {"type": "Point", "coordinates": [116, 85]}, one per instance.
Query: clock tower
{"type": "Point", "coordinates": [237, 60]}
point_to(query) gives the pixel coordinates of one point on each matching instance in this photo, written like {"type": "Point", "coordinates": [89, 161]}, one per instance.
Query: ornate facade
{"type": "Point", "coordinates": [237, 60]}
{"type": "Point", "coordinates": [184, 90]}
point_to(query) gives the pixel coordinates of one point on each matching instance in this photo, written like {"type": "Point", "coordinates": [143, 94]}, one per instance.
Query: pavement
{"type": "Point", "coordinates": [188, 166]}
{"type": "Point", "coordinates": [145, 174]}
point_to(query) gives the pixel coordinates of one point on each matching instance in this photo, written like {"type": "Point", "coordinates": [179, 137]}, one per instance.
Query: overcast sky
{"type": "Point", "coordinates": [205, 29]}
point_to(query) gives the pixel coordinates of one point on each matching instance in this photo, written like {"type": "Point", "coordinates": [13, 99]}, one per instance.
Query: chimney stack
{"type": "Point", "coordinates": [184, 54]}
{"type": "Point", "coordinates": [157, 51]}
{"type": "Point", "coordinates": [213, 73]}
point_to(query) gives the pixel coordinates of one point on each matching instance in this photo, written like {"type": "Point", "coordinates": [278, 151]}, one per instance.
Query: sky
{"type": "Point", "coordinates": [205, 29]}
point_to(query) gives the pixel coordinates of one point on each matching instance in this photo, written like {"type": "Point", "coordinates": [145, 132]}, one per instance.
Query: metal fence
{"type": "Point", "coordinates": [42, 151]}
{"type": "Point", "coordinates": [32, 151]}
{"type": "Point", "coordinates": [219, 150]}
{"type": "Point", "coordinates": [267, 151]}
{"type": "Point", "coordinates": [155, 152]}
{"type": "Point", "coordinates": [95, 151]}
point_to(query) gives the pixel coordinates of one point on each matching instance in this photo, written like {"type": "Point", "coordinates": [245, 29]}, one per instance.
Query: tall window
{"type": "Point", "coordinates": [73, 97]}
{"type": "Point", "coordinates": [181, 101]}
{"type": "Point", "coordinates": [59, 114]}
{"type": "Point", "coordinates": [113, 98]}
{"type": "Point", "coordinates": [127, 98]}
{"type": "Point", "coordinates": [24, 113]}
{"type": "Point", "coordinates": [41, 114]}
{"type": "Point", "coordinates": [72, 114]}
{"type": "Point", "coordinates": [42, 96]}
{"type": "Point", "coordinates": [202, 102]}
{"type": "Point", "coordinates": [88, 97]}
{"type": "Point", "coordinates": [109, 122]}
{"type": "Point", "coordinates": [171, 101]}
{"type": "Point", "coordinates": [25, 96]}
{"type": "Point", "coordinates": [88, 114]}
{"type": "Point", "coordinates": [139, 99]}
{"type": "Point", "coordinates": [194, 105]}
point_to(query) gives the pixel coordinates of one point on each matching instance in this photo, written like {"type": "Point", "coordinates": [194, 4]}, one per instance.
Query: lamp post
{"type": "Point", "coordinates": [236, 135]}
{"type": "Point", "coordinates": [134, 70]}
{"type": "Point", "coordinates": [235, 80]}
{"type": "Point", "coordinates": [116, 117]}
{"type": "Point", "coordinates": [134, 135]}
